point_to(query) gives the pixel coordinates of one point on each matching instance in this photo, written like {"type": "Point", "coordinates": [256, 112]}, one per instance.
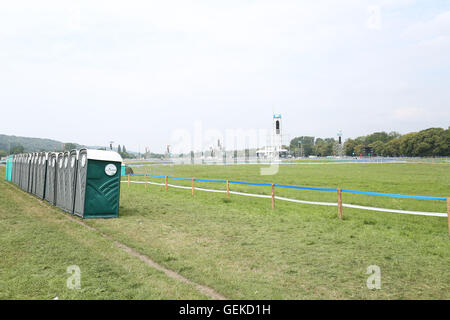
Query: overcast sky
{"type": "Point", "coordinates": [136, 71]}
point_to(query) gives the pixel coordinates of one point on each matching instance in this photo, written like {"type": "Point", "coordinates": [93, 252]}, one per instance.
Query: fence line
{"type": "Point", "coordinates": [435, 214]}
{"type": "Point", "coordinates": [339, 203]}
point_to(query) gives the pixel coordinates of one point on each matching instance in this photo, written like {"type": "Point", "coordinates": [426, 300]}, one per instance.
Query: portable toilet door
{"type": "Point", "coordinates": [8, 172]}
{"type": "Point", "coordinates": [97, 190]}
{"type": "Point", "coordinates": [66, 181]}
{"type": "Point", "coordinates": [38, 183]}
{"type": "Point", "coordinates": [11, 164]}
{"type": "Point", "coordinates": [42, 172]}
{"type": "Point", "coordinates": [21, 170]}
{"type": "Point", "coordinates": [50, 180]}
{"type": "Point", "coordinates": [13, 169]}
{"type": "Point", "coordinates": [35, 175]}
{"type": "Point", "coordinates": [71, 175]}
{"type": "Point", "coordinates": [60, 181]}
{"type": "Point", "coordinates": [28, 173]}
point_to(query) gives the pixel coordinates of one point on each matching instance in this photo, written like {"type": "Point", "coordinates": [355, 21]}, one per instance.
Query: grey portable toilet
{"type": "Point", "coordinates": [50, 180]}
{"type": "Point", "coordinates": [70, 180]}
{"type": "Point", "coordinates": [13, 178]}
{"type": "Point", "coordinates": [60, 181]}
{"type": "Point", "coordinates": [25, 172]}
{"type": "Point", "coordinates": [28, 173]}
{"type": "Point", "coordinates": [20, 171]}
{"type": "Point", "coordinates": [15, 169]}
{"type": "Point", "coordinates": [97, 191]}
{"type": "Point", "coordinates": [41, 173]}
{"type": "Point", "coordinates": [34, 175]}
{"type": "Point", "coordinates": [31, 171]}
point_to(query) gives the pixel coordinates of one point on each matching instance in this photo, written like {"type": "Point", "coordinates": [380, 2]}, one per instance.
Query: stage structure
{"type": "Point", "coordinates": [339, 145]}
{"type": "Point", "coordinates": [275, 149]}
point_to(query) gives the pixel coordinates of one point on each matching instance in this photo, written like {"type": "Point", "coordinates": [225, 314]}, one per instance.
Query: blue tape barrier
{"type": "Point", "coordinates": [251, 183]}
{"type": "Point", "coordinates": [214, 181]}
{"type": "Point", "coordinates": [305, 188]}
{"type": "Point", "coordinates": [176, 178]}
{"type": "Point", "coordinates": [394, 195]}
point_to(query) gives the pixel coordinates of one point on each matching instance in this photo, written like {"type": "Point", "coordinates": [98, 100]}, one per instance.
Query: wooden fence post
{"type": "Point", "coordinates": [146, 180]}
{"type": "Point", "coordinates": [448, 214]}
{"type": "Point", "coordinates": [193, 186]}
{"type": "Point", "coordinates": [228, 190]}
{"type": "Point", "coordinates": [166, 183]}
{"type": "Point", "coordinates": [128, 180]}
{"type": "Point", "coordinates": [273, 196]}
{"type": "Point", "coordinates": [339, 193]}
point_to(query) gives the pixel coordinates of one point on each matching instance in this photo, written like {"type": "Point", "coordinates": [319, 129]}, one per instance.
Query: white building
{"type": "Point", "coordinates": [275, 150]}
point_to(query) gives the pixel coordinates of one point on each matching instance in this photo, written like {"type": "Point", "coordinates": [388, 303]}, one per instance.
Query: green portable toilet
{"type": "Point", "coordinates": [9, 166]}
{"type": "Point", "coordinates": [122, 171]}
{"type": "Point", "coordinates": [97, 189]}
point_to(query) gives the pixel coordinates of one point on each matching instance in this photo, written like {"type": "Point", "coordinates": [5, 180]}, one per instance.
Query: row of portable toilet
{"type": "Point", "coordinates": [85, 182]}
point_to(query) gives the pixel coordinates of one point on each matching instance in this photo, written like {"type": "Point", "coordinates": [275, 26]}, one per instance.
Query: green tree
{"type": "Point", "coordinates": [378, 147]}
{"type": "Point", "coordinates": [349, 147]}
{"type": "Point", "coordinates": [3, 153]}
{"type": "Point", "coordinates": [119, 149]}
{"type": "Point", "coordinates": [69, 146]}
{"type": "Point", "coordinates": [17, 149]}
{"type": "Point", "coordinates": [307, 144]}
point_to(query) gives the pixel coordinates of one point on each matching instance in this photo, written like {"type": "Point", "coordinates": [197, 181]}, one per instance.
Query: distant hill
{"type": "Point", "coordinates": [31, 144]}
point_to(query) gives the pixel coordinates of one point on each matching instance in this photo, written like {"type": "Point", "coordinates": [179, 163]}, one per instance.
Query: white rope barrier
{"type": "Point", "coordinates": [307, 202]}
{"type": "Point", "coordinates": [433, 214]}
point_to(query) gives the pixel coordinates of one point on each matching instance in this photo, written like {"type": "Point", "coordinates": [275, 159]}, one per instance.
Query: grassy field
{"type": "Point", "coordinates": [241, 248]}
{"type": "Point", "coordinates": [38, 243]}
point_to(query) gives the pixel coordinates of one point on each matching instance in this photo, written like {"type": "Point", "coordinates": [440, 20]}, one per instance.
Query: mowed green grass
{"type": "Point", "coordinates": [245, 250]}
{"type": "Point", "coordinates": [38, 243]}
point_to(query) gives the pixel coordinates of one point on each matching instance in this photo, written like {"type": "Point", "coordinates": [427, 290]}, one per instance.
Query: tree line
{"type": "Point", "coordinates": [432, 142]}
